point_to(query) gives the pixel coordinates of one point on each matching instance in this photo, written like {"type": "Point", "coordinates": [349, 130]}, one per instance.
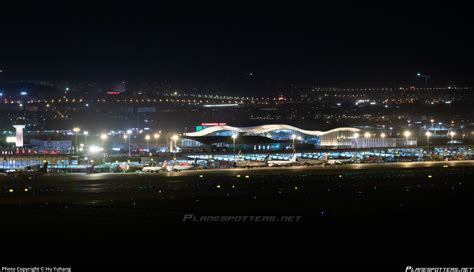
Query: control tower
{"type": "Point", "coordinates": [19, 135]}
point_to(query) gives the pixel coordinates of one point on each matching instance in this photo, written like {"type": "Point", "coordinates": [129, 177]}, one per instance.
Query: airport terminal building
{"type": "Point", "coordinates": [281, 137]}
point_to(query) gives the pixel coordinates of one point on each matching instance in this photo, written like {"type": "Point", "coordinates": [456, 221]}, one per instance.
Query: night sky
{"type": "Point", "coordinates": [329, 44]}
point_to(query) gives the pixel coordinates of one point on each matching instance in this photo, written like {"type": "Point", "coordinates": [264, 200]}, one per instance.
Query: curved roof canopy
{"type": "Point", "coordinates": [266, 128]}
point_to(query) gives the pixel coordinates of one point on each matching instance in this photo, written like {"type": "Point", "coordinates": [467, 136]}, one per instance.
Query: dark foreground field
{"type": "Point", "coordinates": [409, 216]}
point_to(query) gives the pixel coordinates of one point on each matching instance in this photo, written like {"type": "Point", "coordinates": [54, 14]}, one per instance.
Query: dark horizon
{"type": "Point", "coordinates": [344, 44]}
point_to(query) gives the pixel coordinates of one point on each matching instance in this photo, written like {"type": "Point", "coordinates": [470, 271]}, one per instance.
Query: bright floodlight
{"type": "Point", "coordinates": [76, 129]}
{"type": "Point", "coordinates": [407, 133]}
{"type": "Point", "coordinates": [86, 133]}
{"type": "Point", "coordinates": [147, 137]}
{"type": "Point", "coordinates": [175, 137]}
{"type": "Point", "coordinates": [293, 136]}
{"type": "Point", "coordinates": [129, 131]}
{"type": "Point", "coordinates": [299, 138]}
{"type": "Point", "coordinates": [125, 136]}
{"type": "Point", "coordinates": [382, 135]}
{"type": "Point", "coordinates": [103, 136]}
{"type": "Point", "coordinates": [428, 134]}
{"type": "Point", "coordinates": [94, 149]}
{"type": "Point", "coordinates": [156, 136]}
{"type": "Point", "coordinates": [234, 136]}
{"type": "Point", "coordinates": [367, 135]}
{"type": "Point", "coordinates": [418, 74]}
{"type": "Point", "coordinates": [356, 135]}
{"type": "Point", "coordinates": [432, 120]}
{"type": "Point", "coordinates": [452, 133]}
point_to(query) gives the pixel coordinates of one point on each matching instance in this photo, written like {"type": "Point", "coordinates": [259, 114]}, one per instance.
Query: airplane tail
{"type": "Point", "coordinates": [325, 157]}
{"type": "Point", "coordinates": [267, 157]}
{"type": "Point", "coordinates": [44, 168]}
{"type": "Point", "coordinates": [293, 159]}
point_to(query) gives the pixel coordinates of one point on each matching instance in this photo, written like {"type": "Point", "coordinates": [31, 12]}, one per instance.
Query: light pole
{"type": "Point", "coordinates": [382, 136]}
{"type": "Point", "coordinates": [299, 138]}
{"type": "Point", "coordinates": [432, 126]}
{"type": "Point", "coordinates": [356, 136]}
{"type": "Point", "coordinates": [156, 136]}
{"type": "Point", "coordinates": [428, 135]}
{"type": "Point", "coordinates": [367, 136]}
{"type": "Point", "coordinates": [234, 136]}
{"type": "Point", "coordinates": [452, 133]}
{"type": "Point", "coordinates": [104, 137]}
{"type": "Point", "coordinates": [175, 139]}
{"type": "Point", "coordinates": [129, 132]}
{"type": "Point", "coordinates": [293, 137]}
{"type": "Point", "coordinates": [86, 133]}
{"type": "Point", "coordinates": [407, 134]}
{"type": "Point", "coordinates": [76, 130]}
{"type": "Point", "coordinates": [426, 77]}
{"type": "Point", "coordinates": [147, 138]}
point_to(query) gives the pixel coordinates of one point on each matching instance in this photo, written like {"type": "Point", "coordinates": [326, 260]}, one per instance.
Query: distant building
{"type": "Point", "coordinates": [63, 146]}
{"type": "Point", "coordinates": [119, 87]}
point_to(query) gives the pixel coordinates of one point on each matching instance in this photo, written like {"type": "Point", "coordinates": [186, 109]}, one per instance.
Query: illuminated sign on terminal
{"type": "Point", "coordinates": [205, 125]}
{"type": "Point", "coordinates": [213, 124]}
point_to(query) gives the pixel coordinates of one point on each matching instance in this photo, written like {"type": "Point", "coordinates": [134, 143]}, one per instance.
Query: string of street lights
{"type": "Point", "coordinates": [126, 136]}
{"type": "Point", "coordinates": [174, 138]}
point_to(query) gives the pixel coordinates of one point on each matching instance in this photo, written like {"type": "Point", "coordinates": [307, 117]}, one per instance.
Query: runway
{"type": "Point", "coordinates": [323, 169]}
{"type": "Point", "coordinates": [139, 216]}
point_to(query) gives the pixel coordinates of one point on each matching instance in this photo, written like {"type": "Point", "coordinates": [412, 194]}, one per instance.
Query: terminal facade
{"type": "Point", "coordinates": [281, 137]}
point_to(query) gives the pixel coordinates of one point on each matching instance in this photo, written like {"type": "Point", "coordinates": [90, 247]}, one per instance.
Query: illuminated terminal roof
{"type": "Point", "coordinates": [267, 128]}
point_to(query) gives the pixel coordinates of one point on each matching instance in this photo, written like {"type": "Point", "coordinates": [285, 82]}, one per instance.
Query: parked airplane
{"type": "Point", "coordinates": [325, 161]}
{"type": "Point", "coordinates": [126, 167]}
{"type": "Point", "coordinates": [27, 172]}
{"type": "Point", "coordinates": [290, 162]}
{"type": "Point", "coordinates": [340, 161]}
{"type": "Point", "coordinates": [179, 166]}
{"type": "Point", "coordinates": [313, 162]}
{"type": "Point", "coordinates": [153, 169]}
{"type": "Point", "coordinates": [252, 163]}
